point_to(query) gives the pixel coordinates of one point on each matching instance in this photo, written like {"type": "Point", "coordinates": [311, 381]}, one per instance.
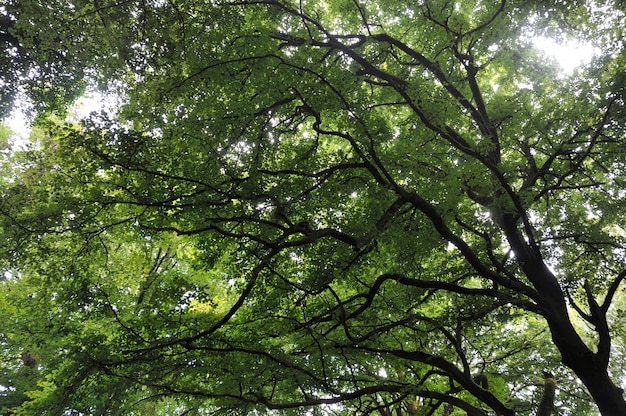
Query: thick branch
{"type": "Point", "coordinates": [368, 391]}
{"type": "Point", "coordinates": [608, 299]}
{"type": "Point", "coordinates": [461, 377]}
{"type": "Point", "coordinates": [602, 326]}
{"type": "Point", "coordinates": [445, 232]}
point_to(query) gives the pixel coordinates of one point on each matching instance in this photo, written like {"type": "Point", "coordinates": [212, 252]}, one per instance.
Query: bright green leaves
{"type": "Point", "coordinates": [306, 204]}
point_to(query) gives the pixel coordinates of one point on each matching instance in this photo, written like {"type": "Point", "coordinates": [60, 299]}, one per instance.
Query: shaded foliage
{"type": "Point", "coordinates": [351, 208]}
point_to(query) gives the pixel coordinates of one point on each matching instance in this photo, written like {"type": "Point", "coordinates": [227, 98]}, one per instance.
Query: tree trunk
{"type": "Point", "coordinates": [607, 396]}
{"type": "Point", "coordinates": [590, 369]}
{"type": "Point", "coordinates": [575, 354]}
{"type": "Point", "coordinates": [546, 405]}
{"type": "Point", "coordinates": [585, 363]}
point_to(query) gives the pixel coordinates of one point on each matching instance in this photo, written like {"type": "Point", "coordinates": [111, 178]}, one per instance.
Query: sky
{"type": "Point", "coordinates": [569, 56]}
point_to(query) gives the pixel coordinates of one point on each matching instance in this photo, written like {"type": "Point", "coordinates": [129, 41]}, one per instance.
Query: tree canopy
{"type": "Point", "coordinates": [314, 207]}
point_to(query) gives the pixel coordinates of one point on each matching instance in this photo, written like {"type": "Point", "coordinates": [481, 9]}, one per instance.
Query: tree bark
{"type": "Point", "coordinates": [546, 405]}
{"type": "Point", "coordinates": [590, 367]}
{"type": "Point", "coordinates": [607, 396]}
{"type": "Point", "coordinates": [587, 365]}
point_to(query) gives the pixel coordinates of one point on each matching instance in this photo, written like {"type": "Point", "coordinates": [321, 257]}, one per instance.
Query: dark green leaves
{"type": "Point", "coordinates": [344, 207]}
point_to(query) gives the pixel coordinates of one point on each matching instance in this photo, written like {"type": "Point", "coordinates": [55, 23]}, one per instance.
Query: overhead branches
{"type": "Point", "coordinates": [363, 205]}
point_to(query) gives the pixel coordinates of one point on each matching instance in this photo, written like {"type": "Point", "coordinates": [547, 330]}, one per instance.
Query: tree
{"type": "Point", "coordinates": [343, 206]}
{"type": "Point", "coordinates": [52, 49]}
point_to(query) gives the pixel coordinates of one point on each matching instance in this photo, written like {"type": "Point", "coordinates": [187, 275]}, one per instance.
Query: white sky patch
{"type": "Point", "coordinates": [569, 55]}
{"type": "Point", "coordinates": [92, 101]}
{"type": "Point", "coordinates": [19, 124]}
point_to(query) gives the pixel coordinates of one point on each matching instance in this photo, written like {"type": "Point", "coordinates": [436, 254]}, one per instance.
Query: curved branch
{"type": "Point", "coordinates": [368, 391]}
{"type": "Point", "coordinates": [438, 222]}
{"type": "Point", "coordinates": [188, 341]}
{"type": "Point", "coordinates": [608, 299]}
{"type": "Point", "coordinates": [461, 377]}
{"type": "Point", "coordinates": [602, 326]}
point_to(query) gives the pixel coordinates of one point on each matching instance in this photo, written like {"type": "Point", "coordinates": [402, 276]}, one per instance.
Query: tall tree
{"type": "Point", "coordinates": [342, 206]}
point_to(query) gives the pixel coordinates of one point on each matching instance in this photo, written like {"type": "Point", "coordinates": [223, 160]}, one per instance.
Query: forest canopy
{"type": "Point", "coordinates": [304, 207]}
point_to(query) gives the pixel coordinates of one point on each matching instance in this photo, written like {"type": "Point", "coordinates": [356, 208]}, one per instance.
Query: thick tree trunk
{"type": "Point", "coordinates": [586, 364]}
{"type": "Point", "coordinates": [590, 368]}
{"type": "Point", "coordinates": [607, 396]}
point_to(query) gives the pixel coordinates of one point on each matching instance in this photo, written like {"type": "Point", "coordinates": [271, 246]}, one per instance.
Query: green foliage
{"type": "Point", "coordinates": [330, 207]}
